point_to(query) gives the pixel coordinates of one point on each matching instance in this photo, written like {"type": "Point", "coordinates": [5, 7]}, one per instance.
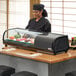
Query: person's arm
{"type": "Point", "coordinates": [47, 27]}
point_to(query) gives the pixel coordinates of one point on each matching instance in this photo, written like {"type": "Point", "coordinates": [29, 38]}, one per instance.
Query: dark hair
{"type": "Point", "coordinates": [40, 7]}
{"type": "Point", "coordinates": [44, 14]}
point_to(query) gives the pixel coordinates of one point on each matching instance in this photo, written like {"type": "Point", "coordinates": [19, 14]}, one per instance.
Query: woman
{"type": "Point", "coordinates": [39, 23]}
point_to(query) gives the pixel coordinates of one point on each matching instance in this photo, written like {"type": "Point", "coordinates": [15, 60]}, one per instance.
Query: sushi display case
{"type": "Point", "coordinates": [51, 43]}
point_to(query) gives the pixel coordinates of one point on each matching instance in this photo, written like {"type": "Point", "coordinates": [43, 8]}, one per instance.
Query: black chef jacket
{"type": "Point", "coordinates": [42, 25]}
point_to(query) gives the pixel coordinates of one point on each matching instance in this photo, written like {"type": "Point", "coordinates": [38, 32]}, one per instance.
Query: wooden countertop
{"type": "Point", "coordinates": [39, 56]}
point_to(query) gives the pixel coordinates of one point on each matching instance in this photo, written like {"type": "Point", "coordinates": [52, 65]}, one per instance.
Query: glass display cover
{"type": "Point", "coordinates": [20, 36]}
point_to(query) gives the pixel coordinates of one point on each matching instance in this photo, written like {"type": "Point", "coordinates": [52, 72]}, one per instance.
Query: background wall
{"type": "Point", "coordinates": [62, 15]}
{"type": "Point", "coordinates": [2, 19]}
{"type": "Point", "coordinates": [19, 14]}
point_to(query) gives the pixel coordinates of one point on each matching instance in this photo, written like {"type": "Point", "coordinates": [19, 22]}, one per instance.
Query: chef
{"type": "Point", "coordinates": [39, 23]}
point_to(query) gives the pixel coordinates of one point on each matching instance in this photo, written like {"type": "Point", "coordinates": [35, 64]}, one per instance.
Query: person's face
{"type": "Point", "coordinates": [37, 13]}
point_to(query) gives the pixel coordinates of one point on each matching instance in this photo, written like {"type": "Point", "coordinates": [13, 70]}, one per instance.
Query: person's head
{"type": "Point", "coordinates": [39, 11]}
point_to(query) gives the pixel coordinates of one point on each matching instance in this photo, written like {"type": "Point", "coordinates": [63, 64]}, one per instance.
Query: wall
{"type": "Point", "coordinates": [19, 14]}
{"type": "Point", "coordinates": [2, 19]}
{"type": "Point", "coordinates": [62, 15]}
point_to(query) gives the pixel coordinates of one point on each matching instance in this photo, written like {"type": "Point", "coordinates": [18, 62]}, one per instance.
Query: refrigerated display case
{"type": "Point", "coordinates": [47, 42]}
